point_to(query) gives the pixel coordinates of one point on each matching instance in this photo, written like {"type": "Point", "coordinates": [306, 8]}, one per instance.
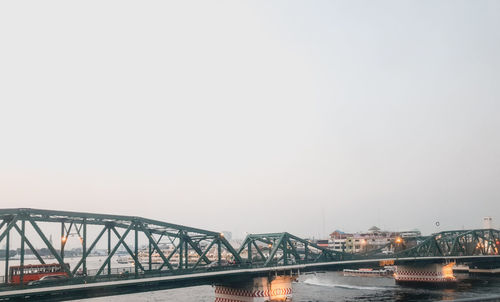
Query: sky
{"type": "Point", "coordinates": [254, 116]}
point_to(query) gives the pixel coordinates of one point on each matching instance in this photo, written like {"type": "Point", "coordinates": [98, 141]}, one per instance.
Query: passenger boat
{"type": "Point", "coordinates": [143, 259]}
{"type": "Point", "coordinates": [368, 272]}
{"type": "Point", "coordinates": [122, 260]}
{"type": "Point", "coordinates": [460, 268]}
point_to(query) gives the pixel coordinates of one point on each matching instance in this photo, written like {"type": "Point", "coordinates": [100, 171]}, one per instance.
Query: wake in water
{"type": "Point", "coordinates": [383, 290]}
{"type": "Point", "coordinates": [317, 282]}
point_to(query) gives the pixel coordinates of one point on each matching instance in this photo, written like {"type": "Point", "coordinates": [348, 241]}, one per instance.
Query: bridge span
{"type": "Point", "coordinates": [159, 282]}
{"type": "Point", "coordinates": [180, 256]}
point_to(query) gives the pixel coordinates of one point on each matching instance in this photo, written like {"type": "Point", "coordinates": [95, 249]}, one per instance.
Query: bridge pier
{"type": "Point", "coordinates": [260, 289]}
{"type": "Point", "coordinates": [435, 274]}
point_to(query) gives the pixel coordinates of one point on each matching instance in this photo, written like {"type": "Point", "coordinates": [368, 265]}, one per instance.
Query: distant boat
{"type": "Point", "coordinates": [122, 260]}
{"type": "Point", "coordinates": [368, 272]}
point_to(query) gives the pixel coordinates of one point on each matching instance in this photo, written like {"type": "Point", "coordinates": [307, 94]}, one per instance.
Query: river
{"type": "Point", "coordinates": [332, 286]}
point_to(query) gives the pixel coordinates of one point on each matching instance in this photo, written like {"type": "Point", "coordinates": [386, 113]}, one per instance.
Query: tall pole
{"type": "Point", "coordinates": [7, 256]}
{"type": "Point", "coordinates": [23, 227]}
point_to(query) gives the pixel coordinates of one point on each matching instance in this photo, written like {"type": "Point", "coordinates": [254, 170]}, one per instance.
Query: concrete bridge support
{"type": "Point", "coordinates": [435, 274]}
{"type": "Point", "coordinates": [261, 289]}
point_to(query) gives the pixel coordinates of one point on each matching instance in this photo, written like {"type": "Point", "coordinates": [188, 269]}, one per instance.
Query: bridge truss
{"type": "Point", "coordinates": [177, 249]}
{"type": "Point", "coordinates": [175, 245]}
{"type": "Point", "coordinates": [479, 242]}
{"type": "Point", "coordinates": [274, 249]}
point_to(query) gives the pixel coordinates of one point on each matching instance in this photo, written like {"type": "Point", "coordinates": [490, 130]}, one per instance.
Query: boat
{"type": "Point", "coordinates": [435, 275]}
{"type": "Point", "coordinates": [368, 272]}
{"type": "Point", "coordinates": [484, 271]}
{"type": "Point", "coordinates": [460, 268]}
{"type": "Point", "coordinates": [143, 259]}
{"type": "Point", "coordinates": [122, 260]}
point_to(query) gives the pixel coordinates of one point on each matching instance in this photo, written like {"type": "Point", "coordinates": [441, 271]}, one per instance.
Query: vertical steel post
{"type": "Point", "coordinates": [186, 258]}
{"type": "Point", "coordinates": [249, 252]}
{"type": "Point", "coordinates": [109, 250]}
{"type": "Point", "coordinates": [84, 246]}
{"type": "Point", "coordinates": [219, 251]}
{"type": "Point", "coordinates": [181, 245]}
{"type": "Point", "coordinates": [62, 240]}
{"type": "Point", "coordinates": [136, 251]}
{"type": "Point", "coordinates": [285, 254]}
{"type": "Point", "coordinates": [23, 228]}
{"type": "Point", "coordinates": [149, 258]}
{"type": "Point", "coordinates": [7, 243]}
{"type": "Point", "coordinates": [306, 251]}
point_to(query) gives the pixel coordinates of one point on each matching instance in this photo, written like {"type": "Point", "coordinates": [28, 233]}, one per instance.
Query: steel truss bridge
{"type": "Point", "coordinates": [185, 256]}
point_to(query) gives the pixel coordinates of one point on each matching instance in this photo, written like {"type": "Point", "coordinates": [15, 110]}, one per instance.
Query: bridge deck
{"type": "Point", "coordinates": [105, 288]}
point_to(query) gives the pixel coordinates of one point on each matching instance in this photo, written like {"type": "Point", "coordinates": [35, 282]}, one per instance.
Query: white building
{"type": "Point", "coordinates": [487, 223]}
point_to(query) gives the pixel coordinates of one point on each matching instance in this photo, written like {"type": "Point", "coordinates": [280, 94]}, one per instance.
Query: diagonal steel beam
{"type": "Point", "coordinates": [9, 226]}
{"type": "Point", "coordinates": [243, 245]}
{"type": "Point", "coordinates": [157, 241]}
{"type": "Point", "coordinates": [120, 241]}
{"type": "Point", "coordinates": [151, 240]}
{"type": "Point", "coordinates": [49, 246]}
{"type": "Point", "coordinates": [197, 249]}
{"type": "Point", "coordinates": [134, 256]}
{"type": "Point", "coordinates": [274, 250]}
{"type": "Point", "coordinates": [204, 253]}
{"type": "Point", "coordinates": [231, 249]}
{"type": "Point", "coordinates": [171, 254]}
{"type": "Point", "coordinates": [294, 251]}
{"type": "Point", "coordinates": [259, 251]}
{"type": "Point", "coordinates": [89, 250]}
{"type": "Point", "coordinates": [30, 245]}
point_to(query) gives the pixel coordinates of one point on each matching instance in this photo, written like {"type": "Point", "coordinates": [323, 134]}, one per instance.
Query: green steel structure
{"type": "Point", "coordinates": [207, 255]}
{"type": "Point", "coordinates": [480, 242]}
{"type": "Point", "coordinates": [283, 249]}
{"type": "Point", "coordinates": [113, 232]}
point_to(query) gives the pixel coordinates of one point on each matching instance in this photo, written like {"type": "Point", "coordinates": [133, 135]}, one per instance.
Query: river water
{"type": "Point", "coordinates": [332, 286]}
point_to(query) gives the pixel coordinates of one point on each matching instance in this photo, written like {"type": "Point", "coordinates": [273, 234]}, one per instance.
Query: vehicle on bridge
{"type": "Point", "coordinates": [35, 272]}
{"type": "Point", "coordinates": [49, 279]}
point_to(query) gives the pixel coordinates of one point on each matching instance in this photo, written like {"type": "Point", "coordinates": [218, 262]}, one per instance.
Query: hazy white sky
{"type": "Point", "coordinates": [257, 116]}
